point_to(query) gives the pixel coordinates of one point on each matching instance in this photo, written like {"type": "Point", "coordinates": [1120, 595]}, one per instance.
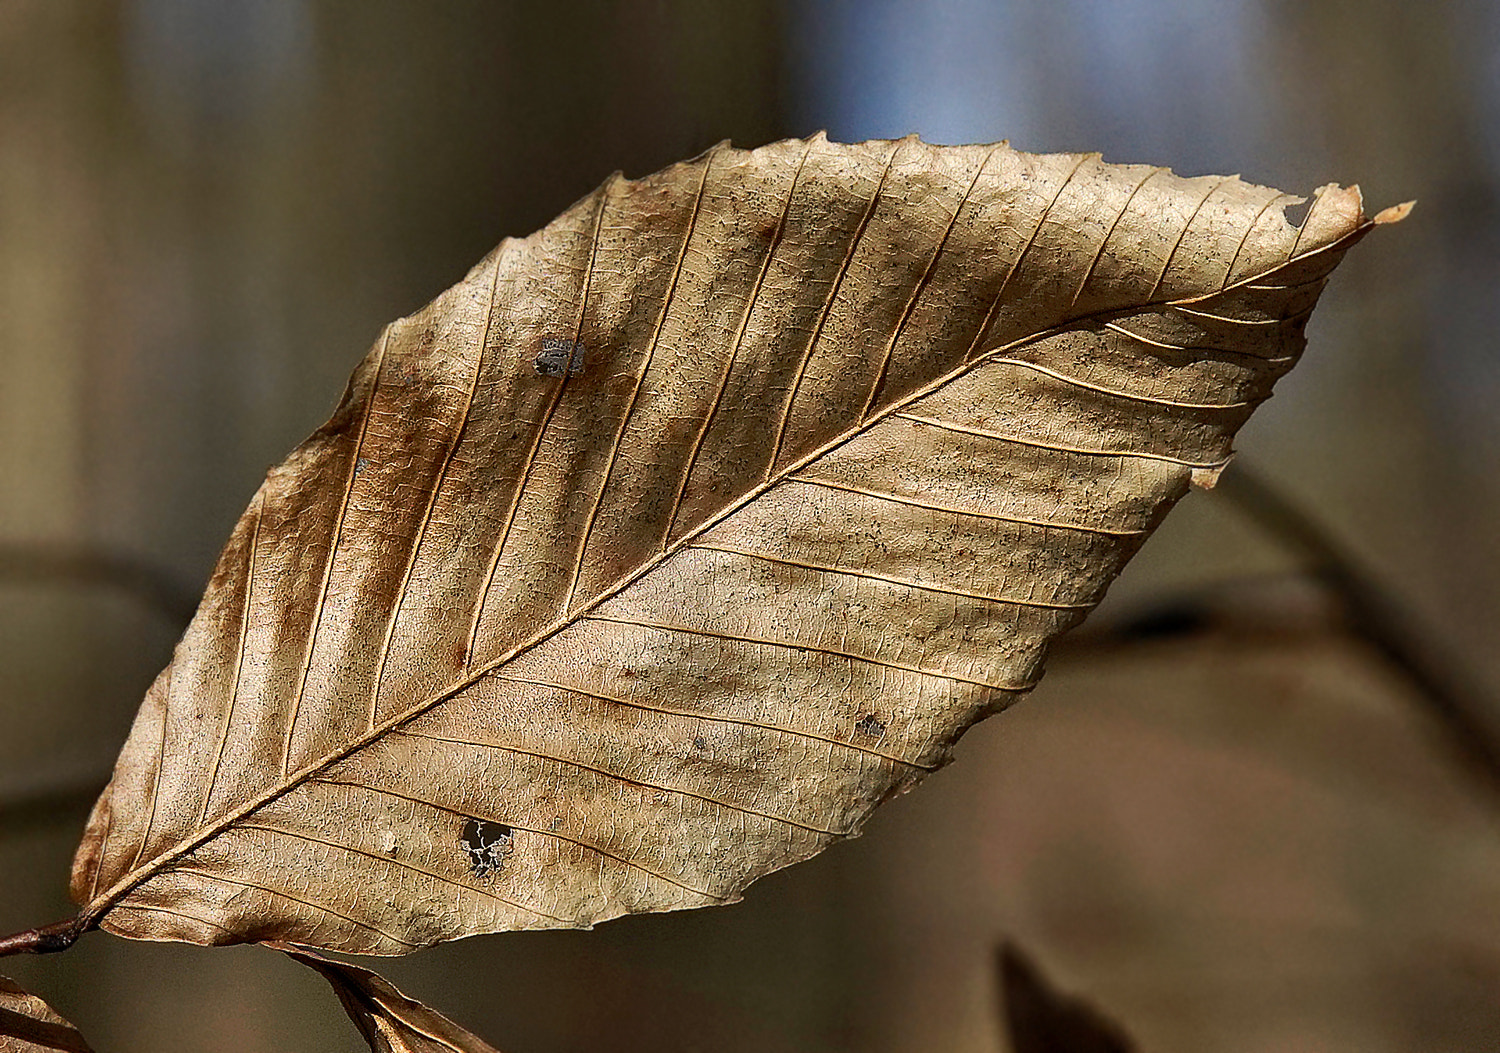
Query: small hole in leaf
{"type": "Point", "coordinates": [487, 844]}
{"type": "Point", "coordinates": [870, 726]}
{"type": "Point", "coordinates": [1296, 213]}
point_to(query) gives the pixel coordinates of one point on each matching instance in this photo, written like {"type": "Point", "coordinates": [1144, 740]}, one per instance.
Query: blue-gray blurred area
{"type": "Point", "coordinates": [1244, 834]}
{"type": "Point", "coordinates": [1154, 77]}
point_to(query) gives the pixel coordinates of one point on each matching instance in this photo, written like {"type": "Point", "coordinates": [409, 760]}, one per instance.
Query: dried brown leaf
{"type": "Point", "coordinates": [389, 1021]}
{"type": "Point", "coordinates": [29, 1025]}
{"type": "Point", "coordinates": [654, 554]}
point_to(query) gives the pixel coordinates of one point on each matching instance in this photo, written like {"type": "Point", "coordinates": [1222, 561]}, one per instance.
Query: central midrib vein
{"type": "Point", "coordinates": [101, 904]}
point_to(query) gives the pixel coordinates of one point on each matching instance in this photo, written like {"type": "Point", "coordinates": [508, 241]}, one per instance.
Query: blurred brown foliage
{"type": "Point", "coordinates": [1238, 840]}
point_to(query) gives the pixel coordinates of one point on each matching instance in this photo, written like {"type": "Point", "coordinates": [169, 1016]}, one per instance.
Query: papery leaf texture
{"type": "Point", "coordinates": [389, 1021]}
{"type": "Point", "coordinates": [656, 552]}
{"type": "Point", "coordinates": [30, 1025]}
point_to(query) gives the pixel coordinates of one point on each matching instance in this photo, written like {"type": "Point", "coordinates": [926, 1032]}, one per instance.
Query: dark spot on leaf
{"type": "Point", "coordinates": [559, 357]}
{"type": "Point", "coordinates": [487, 844]}
{"type": "Point", "coordinates": [699, 743]}
{"type": "Point", "coordinates": [870, 726]}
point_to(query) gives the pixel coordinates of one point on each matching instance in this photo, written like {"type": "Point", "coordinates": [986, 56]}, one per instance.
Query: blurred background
{"type": "Point", "coordinates": [1243, 830]}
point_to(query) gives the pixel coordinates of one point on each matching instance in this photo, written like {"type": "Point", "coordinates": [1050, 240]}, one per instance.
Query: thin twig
{"type": "Point", "coordinates": [45, 939]}
{"type": "Point", "coordinates": [1448, 694]}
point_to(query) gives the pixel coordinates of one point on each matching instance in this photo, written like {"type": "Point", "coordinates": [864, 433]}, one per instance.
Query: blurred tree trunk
{"type": "Point", "coordinates": [208, 209]}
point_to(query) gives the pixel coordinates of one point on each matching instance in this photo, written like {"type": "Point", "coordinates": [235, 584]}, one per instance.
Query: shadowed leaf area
{"type": "Point", "coordinates": [29, 1025]}
{"type": "Point", "coordinates": [389, 1021]}
{"type": "Point", "coordinates": [658, 551]}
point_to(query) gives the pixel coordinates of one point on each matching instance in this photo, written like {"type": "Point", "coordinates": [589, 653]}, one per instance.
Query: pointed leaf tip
{"type": "Point", "coordinates": [30, 1025]}
{"type": "Point", "coordinates": [1042, 1019]}
{"type": "Point", "coordinates": [1395, 214]}
{"type": "Point", "coordinates": [389, 1021]}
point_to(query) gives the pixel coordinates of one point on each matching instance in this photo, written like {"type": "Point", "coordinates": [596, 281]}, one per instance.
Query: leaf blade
{"type": "Point", "coordinates": [407, 638]}
{"type": "Point", "coordinates": [30, 1025]}
{"type": "Point", "coordinates": [389, 1021]}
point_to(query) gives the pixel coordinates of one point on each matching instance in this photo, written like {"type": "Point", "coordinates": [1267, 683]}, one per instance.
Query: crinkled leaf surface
{"type": "Point", "coordinates": [389, 1021]}
{"type": "Point", "coordinates": [654, 554]}
{"type": "Point", "coordinates": [29, 1025]}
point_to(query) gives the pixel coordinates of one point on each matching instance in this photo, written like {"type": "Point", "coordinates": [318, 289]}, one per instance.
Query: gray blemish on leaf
{"type": "Point", "coordinates": [487, 844]}
{"type": "Point", "coordinates": [559, 357]}
{"type": "Point", "coordinates": [360, 464]}
{"type": "Point", "coordinates": [870, 726]}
